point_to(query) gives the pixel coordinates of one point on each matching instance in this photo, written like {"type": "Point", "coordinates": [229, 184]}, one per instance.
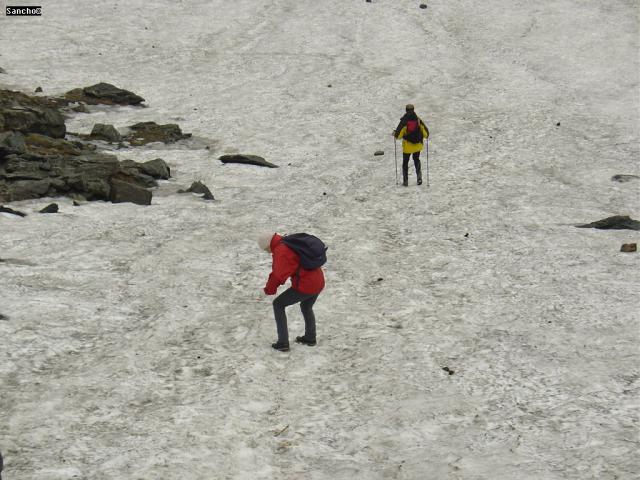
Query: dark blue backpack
{"type": "Point", "coordinates": [312, 252]}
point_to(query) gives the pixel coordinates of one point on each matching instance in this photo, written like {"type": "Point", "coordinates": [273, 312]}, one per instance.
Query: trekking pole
{"type": "Point", "coordinates": [427, 162]}
{"type": "Point", "coordinates": [395, 154]}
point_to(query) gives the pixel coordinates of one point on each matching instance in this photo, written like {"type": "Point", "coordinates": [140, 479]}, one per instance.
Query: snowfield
{"type": "Point", "coordinates": [135, 341]}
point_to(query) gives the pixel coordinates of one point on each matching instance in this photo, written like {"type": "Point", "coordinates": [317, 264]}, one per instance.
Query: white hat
{"type": "Point", "coordinates": [264, 240]}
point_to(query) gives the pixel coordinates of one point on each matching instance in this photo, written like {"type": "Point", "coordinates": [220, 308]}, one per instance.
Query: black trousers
{"type": "Point", "coordinates": [416, 163]}
{"type": "Point", "coordinates": [290, 297]}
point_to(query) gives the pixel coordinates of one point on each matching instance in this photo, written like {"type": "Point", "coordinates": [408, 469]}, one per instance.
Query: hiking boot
{"type": "Point", "coordinates": [419, 181]}
{"type": "Point", "coordinates": [305, 341]}
{"type": "Point", "coordinates": [281, 347]}
{"type": "Point", "coordinates": [405, 183]}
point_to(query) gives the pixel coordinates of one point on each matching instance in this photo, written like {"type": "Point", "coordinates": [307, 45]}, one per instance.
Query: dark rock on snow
{"type": "Point", "coordinates": [103, 93]}
{"type": "Point", "coordinates": [106, 132]}
{"type": "Point", "coordinates": [201, 188]}
{"type": "Point", "coordinates": [624, 178]}
{"type": "Point", "coordinates": [423, 5]}
{"type": "Point", "coordinates": [4, 209]}
{"type": "Point", "coordinates": [51, 208]}
{"type": "Point", "coordinates": [247, 160]}
{"type": "Point", "coordinates": [629, 247]}
{"type": "Point", "coordinates": [2, 70]}
{"type": "Point", "coordinates": [617, 222]}
{"type": "Point", "coordinates": [148, 132]}
{"type": "Point", "coordinates": [39, 90]}
{"type": "Point", "coordinates": [378, 153]}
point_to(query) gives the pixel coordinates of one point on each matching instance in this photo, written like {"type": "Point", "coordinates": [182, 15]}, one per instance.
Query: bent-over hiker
{"type": "Point", "coordinates": [306, 285]}
{"type": "Point", "coordinates": [413, 132]}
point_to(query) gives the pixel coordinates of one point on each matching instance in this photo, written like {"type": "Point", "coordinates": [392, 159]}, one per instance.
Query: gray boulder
{"type": "Point", "coordinates": [106, 132]}
{"type": "Point", "coordinates": [247, 160]}
{"type": "Point", "coordinates": [157, 168]}
{"type": "Point", "coordinates": [127, 192]}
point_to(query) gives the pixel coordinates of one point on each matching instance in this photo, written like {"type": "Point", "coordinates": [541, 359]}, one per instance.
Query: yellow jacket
{"type": "Point", "coordinates": [408, 147]}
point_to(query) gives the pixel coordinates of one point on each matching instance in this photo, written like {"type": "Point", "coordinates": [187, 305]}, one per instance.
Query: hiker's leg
{"type": "Point", "coordinates": [416, 163]}
{"type": "Point", "coordinates": [286, 298]}
{"type": "Point", "coordinates": [309, 318]}
{"type": "Point", "coordinates": [405, 168]}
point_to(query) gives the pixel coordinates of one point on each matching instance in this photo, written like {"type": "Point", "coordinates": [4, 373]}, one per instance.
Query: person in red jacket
{"type": "Point", "coordinates": [306, 285]}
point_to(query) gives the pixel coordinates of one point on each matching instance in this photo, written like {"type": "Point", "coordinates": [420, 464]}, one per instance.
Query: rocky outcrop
{"type": "Point", "coordinates": [103, 93]}
{"type": "Point", "coordinates": [25, 114]}
{"type": "Point", "coordinates": [148, 132]}
{"type": "Point", "coordinates": [617, 222]}
{"type": "Point", "coordinates": [247, 160]}
{"type": "Point", "coordinates": [89, 175]}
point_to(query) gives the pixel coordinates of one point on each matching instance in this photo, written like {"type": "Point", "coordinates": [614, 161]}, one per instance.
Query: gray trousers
{"type": "Point", "coordinates": [290, 297]}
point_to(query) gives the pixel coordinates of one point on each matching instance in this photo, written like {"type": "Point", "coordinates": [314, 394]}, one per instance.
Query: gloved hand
{"type": "Point", "coordinates": [270, 290]}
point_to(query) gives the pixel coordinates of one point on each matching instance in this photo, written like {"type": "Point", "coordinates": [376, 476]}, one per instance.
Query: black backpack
{"type": "Point", "coordinates": [311, 250]}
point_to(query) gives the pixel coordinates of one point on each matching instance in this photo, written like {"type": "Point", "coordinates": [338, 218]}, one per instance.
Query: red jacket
{"type": "Point", "coordinates": [286, 264]}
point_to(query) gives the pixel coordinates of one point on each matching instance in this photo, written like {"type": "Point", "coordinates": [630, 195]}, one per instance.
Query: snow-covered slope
{"type": "Point", "coordinates": [137, 339]}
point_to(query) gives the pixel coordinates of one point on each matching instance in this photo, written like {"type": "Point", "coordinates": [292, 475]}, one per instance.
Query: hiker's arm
{"type": "Point", "coordinates": [283, 267]}
{"type": "Point", "coordinates": [425, 130]}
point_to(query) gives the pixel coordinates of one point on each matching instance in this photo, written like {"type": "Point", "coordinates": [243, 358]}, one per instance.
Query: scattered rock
{"type": "Point", "coordinates": [4, 209]}
{"type": "Point", "coordinates": [617, 222]}
{"type": "Point", "coordinates": [629, 247]}
{"type": "Point", "coordinates": [103, 93]}
{"type": "Point", "coordinates": [2, 70]}
{"type": "Point", "coordinates": [2, 317]}
{"type": "Point", "coordinates": [51, 208]}
{"type": "Point", "coordinates": [423, 5]}
{"type": "Point", "coordinates": [128, 192]}
{"type": "Point", "coordinates": [200, 188]}
{"type": "Point", "coordinates": [378, 153]}
{"type": "Point", "coordinates": [624, 178]}
{"type": "Point", "coordinates": [448, 370]}
{"type": "Point", "coordinates": [148, 132]}
{"type": "Point", "coordinates": [380, 279]}
{"type": "Point", "coordinates": [466, 235]}
{"type": "Point", "coordinates": [558, 124]}
{"type": "Point", "coordinates": [247, 160]}
{"type": "Point", "coordinates": [38, 90]}
{"type": "Point", "coordinates": [106, 132]}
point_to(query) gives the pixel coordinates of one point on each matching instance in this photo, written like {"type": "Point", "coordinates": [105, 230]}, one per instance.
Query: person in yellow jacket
{"type": "Point", "coordinates": [413, 132]}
